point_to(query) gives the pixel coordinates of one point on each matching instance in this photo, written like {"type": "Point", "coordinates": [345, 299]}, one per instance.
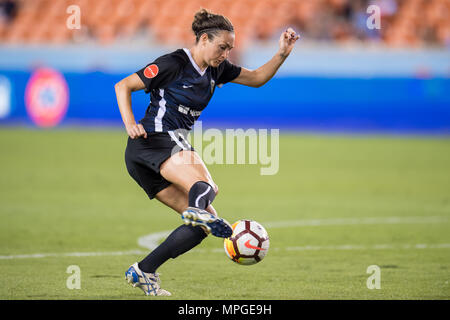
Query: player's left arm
{"type": "Point", "coordinates": [258, 77]}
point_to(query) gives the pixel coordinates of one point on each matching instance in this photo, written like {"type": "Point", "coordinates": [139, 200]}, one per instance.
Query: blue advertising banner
{"type": "Point", "coordinates": [49, 98]}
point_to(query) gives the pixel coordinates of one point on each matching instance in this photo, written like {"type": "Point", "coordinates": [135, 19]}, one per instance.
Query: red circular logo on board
{"type": "Point", "coordinates": [151, 71]}
{"type": "Point", "coordinates": [46, 97]}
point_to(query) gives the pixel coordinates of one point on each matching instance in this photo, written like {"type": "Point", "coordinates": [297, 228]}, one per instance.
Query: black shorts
{"type": "Point", "coordinates": [143, 157]}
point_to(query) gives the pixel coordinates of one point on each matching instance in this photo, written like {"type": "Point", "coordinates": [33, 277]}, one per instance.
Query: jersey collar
{"type": "Point", "coordinates": [196, 67]}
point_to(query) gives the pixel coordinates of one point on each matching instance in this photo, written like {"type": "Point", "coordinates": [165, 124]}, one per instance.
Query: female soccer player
{"type": "Point", "coordinates": [181, 84]}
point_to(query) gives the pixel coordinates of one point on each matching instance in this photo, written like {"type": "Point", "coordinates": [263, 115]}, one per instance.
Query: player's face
{"type": "Point", "coordinates": [219, 48]}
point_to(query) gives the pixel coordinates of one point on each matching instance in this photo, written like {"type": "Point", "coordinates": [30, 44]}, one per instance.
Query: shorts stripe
{"type": "Point", "coordinates": [174, 138]}
{"type": "Point", "coordinates": [185, 141]}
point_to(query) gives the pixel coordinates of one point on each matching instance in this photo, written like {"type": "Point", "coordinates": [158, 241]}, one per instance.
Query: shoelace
{"type": "Point", "coordinates": [154, 277]}
{"type": "Point", "coordinates": [150, 282]}
{"type": "Point", "coordinates": [158, 280]}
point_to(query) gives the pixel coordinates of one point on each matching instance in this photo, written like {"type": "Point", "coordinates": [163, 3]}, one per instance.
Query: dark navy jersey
{"type": "Point", "coordinates": [179, 90]}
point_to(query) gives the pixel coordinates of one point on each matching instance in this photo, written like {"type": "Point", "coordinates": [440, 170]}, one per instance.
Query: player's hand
{"type": "Point", "coordinates": [136, 130]}
{"type": "Point", "coordinates": [287, 41]}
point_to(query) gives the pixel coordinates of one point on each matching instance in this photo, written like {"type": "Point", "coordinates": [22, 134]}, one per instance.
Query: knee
{"type": "Point", "coordinates": [214, 186]}
{"type": "Point", "coordinates": [211, 183]}
{"type": "Point", "coordinates": [202, 194]}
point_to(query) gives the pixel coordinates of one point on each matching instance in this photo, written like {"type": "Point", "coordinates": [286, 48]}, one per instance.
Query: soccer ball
{"type": "Point", "coordinates": [248, 244]}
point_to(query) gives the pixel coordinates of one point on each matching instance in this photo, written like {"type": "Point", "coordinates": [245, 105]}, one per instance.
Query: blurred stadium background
{"type": "Point", "coordinates": [340, 76]}
{"type": "Point", "coordinates": [66, 198]}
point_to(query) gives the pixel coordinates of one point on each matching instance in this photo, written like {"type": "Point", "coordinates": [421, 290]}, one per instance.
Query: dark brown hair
{"type": "Point", "coordinates": [207, 22]}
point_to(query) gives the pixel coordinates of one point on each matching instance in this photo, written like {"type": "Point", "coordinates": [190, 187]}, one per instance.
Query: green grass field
{"type": "Point", "coordinates": [337, 205]}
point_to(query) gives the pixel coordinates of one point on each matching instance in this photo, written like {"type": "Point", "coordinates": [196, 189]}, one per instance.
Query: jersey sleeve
{"type": "Point", "coordinates": [228, 72]}
{"type": "Point", "coordinates": [159, 73]}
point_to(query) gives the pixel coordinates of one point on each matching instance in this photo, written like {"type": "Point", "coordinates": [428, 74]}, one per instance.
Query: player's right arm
{"type": "Point", "coordinates": [157, 74]}
{"type": "Point", "coordinates": [124, 88]}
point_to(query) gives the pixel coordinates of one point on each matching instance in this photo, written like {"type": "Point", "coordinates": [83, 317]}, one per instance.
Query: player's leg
{"type": "Point", "coordinates": [185, 169]}
{"type": "Point", "coordinates": [188, 172]}
{"type": "Point", "coordinates": [143, 274]}
{"type": "Point", "coordinates": [178, 199]}
{"type": "Point", "coordinates": [182, 239]}
{"type": "Point", "coordinates": [151, 182]}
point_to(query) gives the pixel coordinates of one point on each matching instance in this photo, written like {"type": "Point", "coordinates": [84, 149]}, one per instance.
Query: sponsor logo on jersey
{"type": "Point", "coordinates": [46, 97]}
{"type": "Point", "coordinates": [187, 110]}
{"type": "Point", "coordinates": [151, 71]}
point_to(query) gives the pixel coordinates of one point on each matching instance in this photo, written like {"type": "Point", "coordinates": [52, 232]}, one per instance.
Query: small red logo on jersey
{"type": "Point", "coordinates": [151, 71]}
{"type": "Point", "coordinates": [248, 245]}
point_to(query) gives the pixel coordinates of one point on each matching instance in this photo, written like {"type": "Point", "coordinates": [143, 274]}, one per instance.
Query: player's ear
{"type": "Point", "coordinates": [204, 38]}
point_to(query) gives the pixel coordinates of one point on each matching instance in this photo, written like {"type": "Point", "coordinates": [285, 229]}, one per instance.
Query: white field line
{"type": "Point", "coordinates": [152, 240]}
{"type": "Point", "coordinates": [351, 247]}
{"type": "Point", "coordinates": [372, 247]}
{"type": "Point", "coordinates": [354, 221]}
{"type": "Point", "coordinates": [419, 246]}
{"type": "Point", "coordinates": [72, 254]}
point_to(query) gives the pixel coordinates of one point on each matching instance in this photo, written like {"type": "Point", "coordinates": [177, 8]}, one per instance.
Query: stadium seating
{"type": "Point", "coordinates": [405, 23]}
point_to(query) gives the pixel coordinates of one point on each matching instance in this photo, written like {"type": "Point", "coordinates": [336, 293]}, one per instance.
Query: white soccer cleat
{"type": "Point", "coordinates": [216, 226]}
{"type": "Point", "coordinates": [147, 282]}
